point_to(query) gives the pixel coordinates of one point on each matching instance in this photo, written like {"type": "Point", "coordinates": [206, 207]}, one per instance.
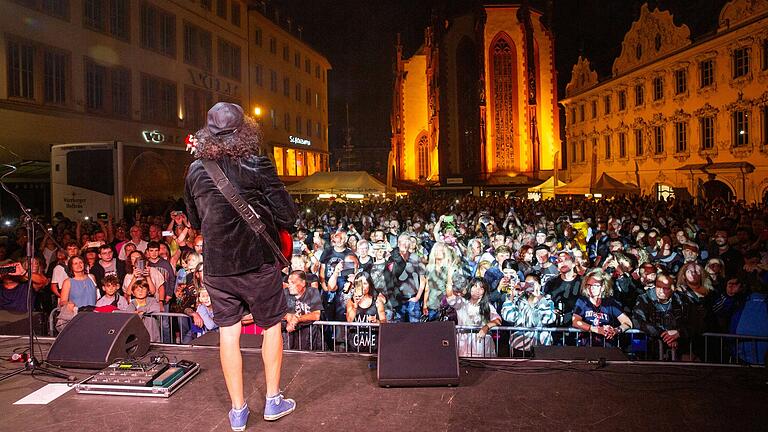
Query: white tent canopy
{"type": "Point", "coordinates": [339, 182]}
{"type": "Point", "coordinates": [547, 188]}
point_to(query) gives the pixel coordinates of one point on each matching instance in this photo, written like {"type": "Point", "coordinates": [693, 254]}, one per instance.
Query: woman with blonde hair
{"type": "Point", "coordinates": [442, 262]}
{"type": "Point", "coordinates": [597, 313]}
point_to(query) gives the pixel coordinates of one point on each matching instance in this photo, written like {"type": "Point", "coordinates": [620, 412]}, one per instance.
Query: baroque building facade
{"type": "Point", "coordinates": [677, 115]}
{"type": "Point", "coordinates": [476, 104]}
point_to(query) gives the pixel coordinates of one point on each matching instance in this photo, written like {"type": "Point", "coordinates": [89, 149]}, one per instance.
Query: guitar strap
{"type": "Point", "coordinates": [245, 210]}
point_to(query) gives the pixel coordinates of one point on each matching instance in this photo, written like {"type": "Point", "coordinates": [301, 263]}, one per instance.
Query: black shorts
{"type": "Point", "coordinates": [259, 292]}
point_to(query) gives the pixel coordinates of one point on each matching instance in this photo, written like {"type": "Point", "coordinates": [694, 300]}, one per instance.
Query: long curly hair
{"type": "Point", "coordinates": [245, 142]}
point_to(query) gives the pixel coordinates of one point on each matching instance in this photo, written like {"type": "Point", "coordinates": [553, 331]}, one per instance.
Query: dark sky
{"type": "Point", "coordinates": [358, 38]}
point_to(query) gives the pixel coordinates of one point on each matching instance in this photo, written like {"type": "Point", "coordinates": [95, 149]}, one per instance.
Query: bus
{"type": "Point", "coordinates": [115, 178]}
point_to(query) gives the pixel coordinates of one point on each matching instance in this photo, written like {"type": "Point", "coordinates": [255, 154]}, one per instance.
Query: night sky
{"type": "Point", "coordinates": [358, 38]}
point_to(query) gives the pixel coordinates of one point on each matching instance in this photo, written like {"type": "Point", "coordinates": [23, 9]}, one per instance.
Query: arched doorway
{"type": "Point", "coordinates": [716, 189]}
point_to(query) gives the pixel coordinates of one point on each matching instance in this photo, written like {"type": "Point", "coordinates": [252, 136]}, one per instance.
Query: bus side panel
{"type": "Point", "coordinates": [78, 188]}
{"type": "Point", "coordinates": [153, 178]}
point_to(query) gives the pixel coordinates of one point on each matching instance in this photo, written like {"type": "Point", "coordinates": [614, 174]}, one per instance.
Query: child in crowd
{"type": "Point", "coordinates": [112, 300]}
{"type": "Point", "coordinates": [205, 312]}
{"type": "Point", "coordinates": [143, 304]}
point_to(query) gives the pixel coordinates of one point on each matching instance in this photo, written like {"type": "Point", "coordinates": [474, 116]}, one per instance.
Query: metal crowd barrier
{"type": "Point", "coordinates": [500, 342]}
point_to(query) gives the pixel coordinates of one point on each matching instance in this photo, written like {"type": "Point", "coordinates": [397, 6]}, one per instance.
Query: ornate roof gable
{"type": "Point", "coordinates": [737, 11]}
{"type": "Point", "coordinates": [582, 77]}
{"type": "Point", "coordinates": [653, 35]}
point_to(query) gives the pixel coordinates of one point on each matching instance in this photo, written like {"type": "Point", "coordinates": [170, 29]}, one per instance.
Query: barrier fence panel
{"type": "Point", "coordinates": [499, 342]}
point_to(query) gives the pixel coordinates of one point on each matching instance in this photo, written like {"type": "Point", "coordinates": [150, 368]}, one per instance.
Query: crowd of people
{"type": "Point", "coordinates": [673, 270]}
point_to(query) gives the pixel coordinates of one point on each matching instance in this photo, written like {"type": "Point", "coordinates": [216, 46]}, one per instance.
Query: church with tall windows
{"type": "Point", "coordinates": [476, 103]}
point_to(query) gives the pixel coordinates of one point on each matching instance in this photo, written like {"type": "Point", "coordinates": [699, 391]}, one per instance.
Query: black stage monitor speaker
{"type": "Point", "coordinates": [418, 354]}
{"type": "Point", "coordinates": [93, 340]}
{"type": "Point", "coordinates": [578, 353]}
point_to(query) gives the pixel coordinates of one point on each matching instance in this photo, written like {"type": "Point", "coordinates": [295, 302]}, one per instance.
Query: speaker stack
{"type": "Point", "coordinates": [418, 354]}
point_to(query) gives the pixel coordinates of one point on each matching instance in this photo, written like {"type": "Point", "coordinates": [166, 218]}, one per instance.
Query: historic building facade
{"type": "Point", "coordinates": [148, 70]}
{"type": "Point", "coordinates": [476, 104]}
{"type": "Point", "coordinates": [677, 115]}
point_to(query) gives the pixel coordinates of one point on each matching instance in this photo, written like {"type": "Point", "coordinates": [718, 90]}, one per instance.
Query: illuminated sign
{"type": "Point", "coordinates": [153, 137]}
{"type": "Point", "coordinates": [297, 140]}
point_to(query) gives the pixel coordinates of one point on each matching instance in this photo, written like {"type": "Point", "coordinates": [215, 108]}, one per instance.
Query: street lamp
{"type": "Point", "coordinates": [257, 111]}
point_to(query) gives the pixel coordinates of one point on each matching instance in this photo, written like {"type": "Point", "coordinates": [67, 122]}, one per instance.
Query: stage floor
{"type": "Point", "coordinates": [339, 392]}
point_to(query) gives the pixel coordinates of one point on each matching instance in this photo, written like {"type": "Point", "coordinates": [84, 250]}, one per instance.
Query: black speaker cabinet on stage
{"type": "Point", "coordinates": [418, 354]}
{"type": "Point", "coordinates": [93, 340]}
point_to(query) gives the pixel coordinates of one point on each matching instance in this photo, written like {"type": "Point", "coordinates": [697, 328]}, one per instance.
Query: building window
{"type": "Point", "coordinates": [286, 53]}
{"type": "Point", "coordinates": [229, 59]}
{"type": "Point", "coordinates": [158, 100]}
{"type": "Point", "coordinates": [273, 81]}
{"type": "Point", "coordinates": [639, 95]}
{"type": "Point", "coordinates": [607, 104]}
{"type": "Point", "coordinates": [206, 4]}
{"type": "Point", "coordinates": [573, 115]}
{"type": "Point", "coordinates": [108, 16]}
{"type": "Point", "coordinates": [298, 92]}
{"type": "Point", "coordinates": [765, 54]}
{"type": "Point", "coordinates": [272, 45]}
{"type": "Point", "coordinates": [607, 140]}
{"type": "Point", "coordinates": [581, 113]}
{"type": "Point", "coordinates": [318, 131]}
{"type": "Point", "coordinates": [594, 109]}
{"type": "Point", "coordinates": [681, 81]}
{"type": "Point", "coordinates": [235, 16]}
{"type": "Point", "coordinates": [308, 66]}
{"type": "Point", "coordinates": [257, 38]}
{"type": "Point", "coordinates": [622, 145]}
{"type": "Point", "coordinates": [706, 73]}
{"type": "Point", "coordinates": [503, 66]}
{"type": "Point", "coordinates": [308, 97]}
{"type": "Point", "coordinates": [55, 67]}
{"type": "Point", "coordinates": [658, 88]}
{"type": "Point", "coordinates": [158, 30]}
{"type": "Point", "coordinates": [298, 125]}
{"type": "Point", "coordinates": [423, 156]}
{"type": "Point", "coordinates": [658, 139]}
{"type": "Point", "coordinates": [107, 90]}
{"type": "Point", "coordinates": [21, 70]}
{"type": "Point", "coordinates": [317, 100]}
{"type": "Point", "coordinates": [259, 75]}
{"type": "Point", "coordinates": [55, 8]}
{"type": "Point", "coordinates": [582, 151]}
{"type": "Point", "coordinates": [639, 142]}
{"type": "Point", "coordinates": [573, 152]}
{"type": "Point", "coordinates": [740, 128]}
{"type": "Point", "coordinates": [707, 125]}
{"type": "Point", "coordinates": [196, 104]}
{"type": "Point", "coordinates": [286, 87]}
{"type": "Point", "coordinates": [664, 192]}
{"type": "Point", "coordinates": [198, 47]}
{"type": "Point", "coordinates": [681, 137]}
{"type": "Point", "coordinates": [287, 122]}
{"type": "Point", "coordinates": [764, 115]}
{"type": "Point", "coordinates": [622, 100]}
{"type": "Point", "coordinates": [309, 128]}
{"type": "Point", "coordinates": [317, 71]}
{"type": "Point", "coordinates": [221, 8]}
{"type": "Point", "coordinates": [297, 60]}
{"type": "Point", "coordinates": [740, 62]}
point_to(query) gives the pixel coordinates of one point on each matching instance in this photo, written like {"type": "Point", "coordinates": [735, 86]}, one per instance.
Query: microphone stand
{"type": "Point", "coordinates": [32, 364]}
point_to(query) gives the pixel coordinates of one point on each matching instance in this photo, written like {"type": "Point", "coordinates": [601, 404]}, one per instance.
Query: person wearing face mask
{"type": "Point", "coordinates": [527, 306]}
{"type": "Point", "coordinates": [597, 313]}
{"type": "Point", "coordinates": [474, 310]}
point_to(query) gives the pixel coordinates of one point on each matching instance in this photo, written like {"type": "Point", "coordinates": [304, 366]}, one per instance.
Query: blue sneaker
{"type": "Point", "coordinates": [278, 407]}
{"type": "Point", "coordinates": [238, 418]}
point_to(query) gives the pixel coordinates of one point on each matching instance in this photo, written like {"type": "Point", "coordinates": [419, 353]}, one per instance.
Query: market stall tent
{"type": "Point", "coordinates": [339, 182]}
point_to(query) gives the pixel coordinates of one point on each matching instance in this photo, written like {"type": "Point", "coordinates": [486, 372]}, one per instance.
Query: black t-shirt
{"type": "Point", "coordinates": [14, 299]}
{"type": "Point", "coordinates": [308, 302]}
{"type": "Point", "coordinates": [566, 292]}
